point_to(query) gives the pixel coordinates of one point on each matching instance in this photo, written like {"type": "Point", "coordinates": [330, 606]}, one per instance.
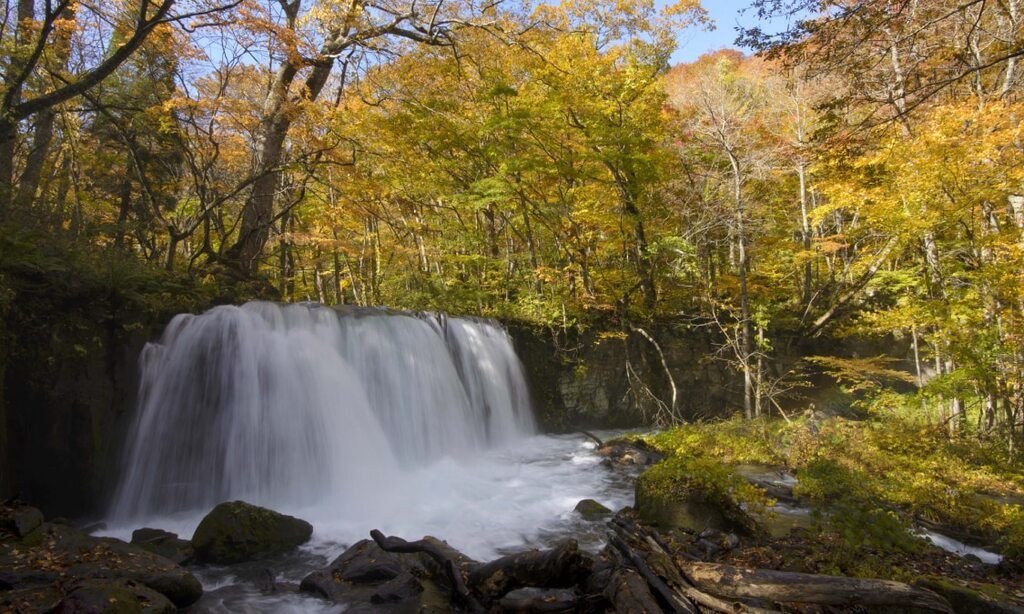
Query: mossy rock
{"type": "Point", "coordinates": [65, 555]}
{"type": "Point", "coordinates": [235, 532]}
{"type": "Point", "coordinates": [591, 510]}
{"type": "Point", "coordinates": [21, 522]}
{"type": "Point", "coordinates": [119, 597]}
{"type": "Point", "coordinates": [670, 496]}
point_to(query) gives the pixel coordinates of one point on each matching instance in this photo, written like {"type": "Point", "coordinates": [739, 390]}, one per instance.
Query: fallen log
{"type": "Point", "coordinates": [791, 587]}
{"type": "Point", "coordinates": [652, 558]}
{"type": "Point", "coordinates": [629, 593]}
{"type": "Point", "coordinates": [671, 600]}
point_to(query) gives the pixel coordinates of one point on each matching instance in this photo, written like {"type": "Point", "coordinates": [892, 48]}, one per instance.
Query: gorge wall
{"type": "Point", "coordinates": [619, 379]}
{"type": "Point", "coordinates": [70, 375]}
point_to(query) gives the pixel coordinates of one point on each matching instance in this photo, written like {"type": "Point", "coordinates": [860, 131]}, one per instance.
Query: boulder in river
{"type": "Point", "coordinates": [592, 510]}
{"type": "Point", "coordinates": [164, 543]}
{"type": "Point", "coordinates": [235, 532]}
{"type": "Point", "coordinates": [366, 578]}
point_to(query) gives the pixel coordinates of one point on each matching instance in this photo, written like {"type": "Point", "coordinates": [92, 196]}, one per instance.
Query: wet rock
{"type": "Point", "coordinates": [92, 527]}
{"type": "Point", "coordinates": [363, 563]}
{"type": "Point", "coordinates": [63, 555]}
{"type": "Point", "coordinates": [164, 543]}
{"type": "Point", "coordinates": [368, 579]}
{"type": "Point", "coordinates": [402, 588]}
{"type": "Point", "coordinates": [235, 532]}
{"type": "Point", "coordinates": [266, 582]}
{"type": "Point", "coordinates": [629, 452]}
{"type": "Point", "coordinates": [591, 510]}
{"type": "Point", "coordinates": [124, 596]}
{"type": "Point", "coordinates": [20, 520]}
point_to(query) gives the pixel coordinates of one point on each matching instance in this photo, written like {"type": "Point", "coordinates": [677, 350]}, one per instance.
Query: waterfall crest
{"type": "Point", "coordinates": [293, 405]}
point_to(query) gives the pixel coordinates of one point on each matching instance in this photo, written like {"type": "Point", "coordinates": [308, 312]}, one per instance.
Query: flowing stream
{"type": "Point", "coordinates": [412, 424]}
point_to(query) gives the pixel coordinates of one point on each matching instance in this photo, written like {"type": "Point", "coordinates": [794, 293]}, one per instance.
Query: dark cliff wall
{"type": "Point", "coordinates": [68, 391]}
{"type": "Point", "coordinates": [617, 379]}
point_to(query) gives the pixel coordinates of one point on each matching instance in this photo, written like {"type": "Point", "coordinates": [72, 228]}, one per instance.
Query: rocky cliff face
{"type": "Point", "coordinates": [598, 379]}
{"type": "Point", "coordinates": [68, 391]}
{"type": "Point", "coordinates": [621, 379]}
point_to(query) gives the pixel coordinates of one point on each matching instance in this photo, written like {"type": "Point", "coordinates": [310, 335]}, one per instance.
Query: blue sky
{"type": "Point", "coordinates": [726, 14]}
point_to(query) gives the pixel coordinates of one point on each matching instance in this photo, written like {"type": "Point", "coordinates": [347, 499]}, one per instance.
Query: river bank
{"type": "Point", "coordinates": [534, 507]}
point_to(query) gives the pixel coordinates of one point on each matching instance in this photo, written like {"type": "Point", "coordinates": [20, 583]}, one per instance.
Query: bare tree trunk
{"type": "Point", "coordinates": [123, 209]}
{"type": "Point", "coordinates": [790, 587]}
{"type": "Point", "coordinates": [746, 323]}
{"type": "Point", "coordinates": [531, 244]}
{"type": "Point", "coordinates": [1013, 11]}
{"type": "Point", "coordinates": [920, 375]}
{"type": "Point", "coordinates": [173, 239]}
{"type": "Point", "coordinates": [805, 234]}
{"type": "Point", "coordinates": [339, 296]}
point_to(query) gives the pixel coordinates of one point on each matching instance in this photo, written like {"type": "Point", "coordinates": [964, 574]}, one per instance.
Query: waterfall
{"type": "Point", "coordinates": [291, 405]}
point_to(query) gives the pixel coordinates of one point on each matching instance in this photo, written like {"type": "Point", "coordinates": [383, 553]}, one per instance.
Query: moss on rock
{"type": "Point", "coordinates": [591, 510]}
{"type": "Point", "coordinates": [697, 494]}
{"type": "Point", "coordinates": [236, 531]}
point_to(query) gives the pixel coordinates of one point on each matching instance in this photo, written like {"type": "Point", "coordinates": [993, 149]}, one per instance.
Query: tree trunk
{"type": "Point", "coordinates": [805, 235]}
{"type": "Point", "coordinates": [9, 124]}
{"type": "Point", "coordinates": [28, 184]}
{"type": "Point", "coordinates": [746, 323]}
{"type": "Point", "coordinates": [258, 213]}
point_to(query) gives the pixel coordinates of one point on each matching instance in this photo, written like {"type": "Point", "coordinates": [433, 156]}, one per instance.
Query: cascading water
{"type": "Point", "coordinates": [300, 405]}
{"type": "Point", "coordinates": [353, 420]}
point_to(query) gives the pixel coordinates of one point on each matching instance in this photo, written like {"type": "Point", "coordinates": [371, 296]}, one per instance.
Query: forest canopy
{"type": "Point", "coordinates": [861, 174]}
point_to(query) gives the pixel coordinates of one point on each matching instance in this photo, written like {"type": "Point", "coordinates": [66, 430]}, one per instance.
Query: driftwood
{"type": "Point", "coordinates": [476, 586]}
{"type": "Point", "coordinates": [790, 587]}
{"type": "Point", "coordinates": [639, 572]}
{"type": "Point", "coordinates": [651, 557]}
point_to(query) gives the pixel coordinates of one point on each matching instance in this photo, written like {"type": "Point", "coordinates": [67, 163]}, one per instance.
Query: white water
{"type": "Point", "coordinates": [300, 406]}
{"type": "Point", "coordinates": [412, 425]}
{"type": "Point", "coordinates": [959, 548]}
{"type": "Point", "coordinates": [504, 500]}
